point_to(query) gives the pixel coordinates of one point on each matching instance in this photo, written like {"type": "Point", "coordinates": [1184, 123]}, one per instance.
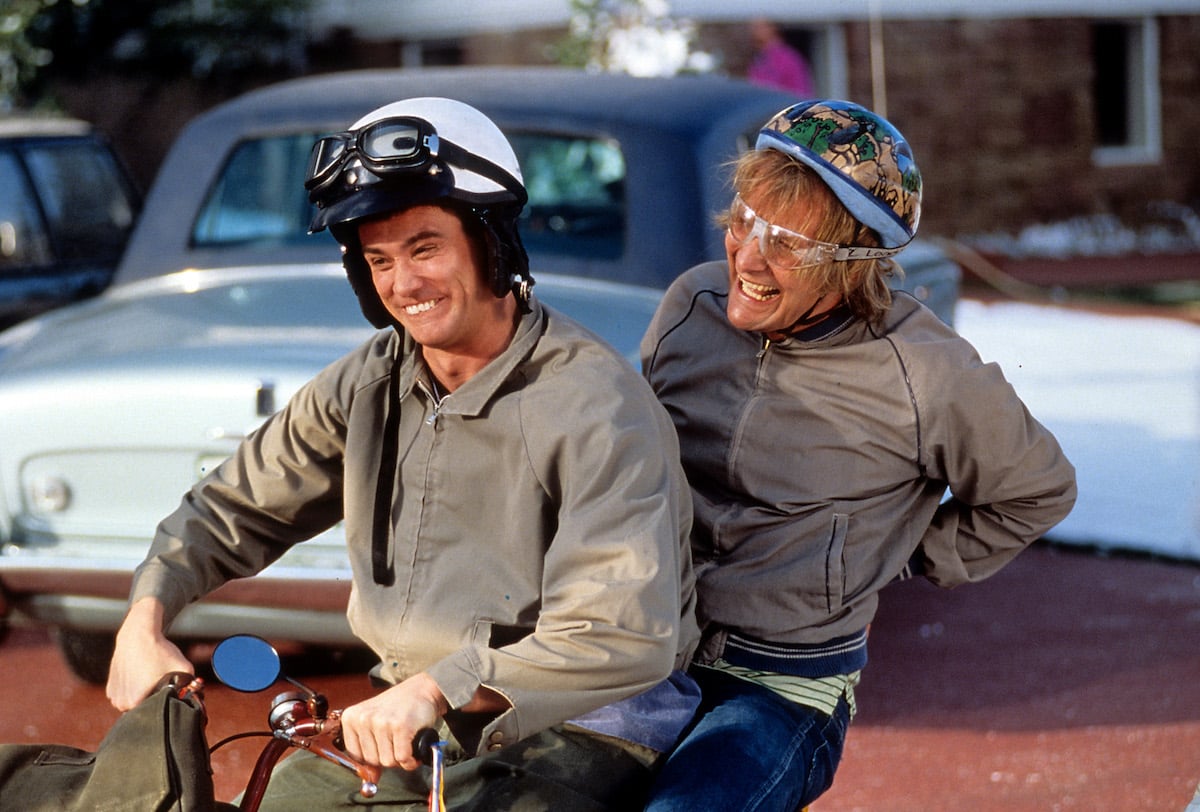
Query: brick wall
{"type": "Point", "coordinates": [999, 112]}
{"type": "Point", "coordinates": [1000, 116]}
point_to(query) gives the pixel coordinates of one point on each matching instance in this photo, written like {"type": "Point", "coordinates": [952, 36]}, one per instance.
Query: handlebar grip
{"type": "Point", "coordinates": [423, 744]}
{"type": "Point", "coordinates": [183, 685]}
{"type": "Point", "coordinates": [174, 679]}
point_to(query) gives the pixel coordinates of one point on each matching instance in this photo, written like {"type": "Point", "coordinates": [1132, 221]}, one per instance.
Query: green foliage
{"type": "Point", "coordinates": [211, 40]}
{"type": "Point", "coordinates": [583, 45]}
{"type": "Point", "coordinates": [640, 37]}
{"type": "Point", "coordinates": [19, 58]}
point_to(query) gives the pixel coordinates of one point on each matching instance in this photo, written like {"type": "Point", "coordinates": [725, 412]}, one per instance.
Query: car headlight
{"type": "Point", "coordinates": [49, 494]}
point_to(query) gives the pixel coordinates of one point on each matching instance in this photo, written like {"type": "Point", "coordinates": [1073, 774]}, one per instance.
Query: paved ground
{"type": "Point", "coordinates": [1066, 682]}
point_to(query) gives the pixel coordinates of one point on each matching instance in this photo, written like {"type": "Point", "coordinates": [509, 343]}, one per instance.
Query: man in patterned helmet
{"type": "Point", "coordinates": [836, 436]}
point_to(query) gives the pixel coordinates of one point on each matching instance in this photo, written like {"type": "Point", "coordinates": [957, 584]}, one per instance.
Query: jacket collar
{"type": "Point", "coordinates": [472, 397]}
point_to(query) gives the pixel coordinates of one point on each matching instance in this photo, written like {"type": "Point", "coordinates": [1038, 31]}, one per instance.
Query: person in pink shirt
{"type": "Point", "coordinates": [777, 64]}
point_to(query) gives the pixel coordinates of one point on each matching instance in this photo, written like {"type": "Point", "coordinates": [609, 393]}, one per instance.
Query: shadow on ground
{"type": "Point", "coordinates": [1061, 638]}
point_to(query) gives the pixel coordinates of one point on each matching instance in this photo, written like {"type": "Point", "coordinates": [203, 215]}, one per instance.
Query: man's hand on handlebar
{"type": "Point", "coordinates": [142, 656]}
{"type": "Point", "coordinates": [380, 730]}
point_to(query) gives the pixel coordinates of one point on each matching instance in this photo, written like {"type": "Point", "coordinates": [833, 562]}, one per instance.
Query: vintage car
{"type": "Point", "coordinates": [67, 206]}
{"type": "Point", "coordinates": [223, 305]}
{"type": "Point", "coordinates": [624, 174]}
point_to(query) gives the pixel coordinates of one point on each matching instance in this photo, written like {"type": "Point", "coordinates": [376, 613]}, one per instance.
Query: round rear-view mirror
{"type": "Point", "coordinates": [246, 663]}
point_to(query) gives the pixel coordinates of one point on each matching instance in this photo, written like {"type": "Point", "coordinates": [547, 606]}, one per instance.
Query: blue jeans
{"type": "Point", "coordinates": [750, 749]}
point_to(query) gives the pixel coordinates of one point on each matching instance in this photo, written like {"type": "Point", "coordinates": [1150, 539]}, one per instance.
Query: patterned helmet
{"type": "Point", "coordinates": [862, 158]}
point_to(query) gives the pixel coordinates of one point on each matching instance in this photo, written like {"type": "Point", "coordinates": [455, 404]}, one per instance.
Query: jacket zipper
{"type": "Point", "coordinates": [435, 400]}
{"type": "Point", "coordinates": [736, 439]}
{"type": "Point", "coordinates": [766, 346]}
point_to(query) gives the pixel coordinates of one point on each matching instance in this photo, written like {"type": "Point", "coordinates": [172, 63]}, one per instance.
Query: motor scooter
{"type": "Point", "coordinates": [300, 719]}
{"type": "Point", "coordinates": [156, 756]}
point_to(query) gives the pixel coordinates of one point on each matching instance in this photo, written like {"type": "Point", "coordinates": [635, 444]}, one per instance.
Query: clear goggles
{"type": "Point", "coordinates": [790, 250]}
{"type": "Point", "coordinates": [400, 144]}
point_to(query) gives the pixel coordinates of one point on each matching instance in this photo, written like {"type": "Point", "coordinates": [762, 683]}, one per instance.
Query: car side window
{"type": "Point", "coordinates": [576, 188]}
{"type": "Point", "coordinates": [259, 196]}
{"type": "Point", "coordinates": [23, 242]}
{"type": "Point", "coordinates": [89, 209]}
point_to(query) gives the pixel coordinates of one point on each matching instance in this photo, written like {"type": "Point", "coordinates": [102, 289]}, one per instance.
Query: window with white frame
{"type": "Point", "coordinates": [1125, 92]}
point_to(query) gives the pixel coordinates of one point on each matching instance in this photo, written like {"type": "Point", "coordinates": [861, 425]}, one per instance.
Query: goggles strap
{"type": "Point", "coordinates": [434, 149]}
{"type": "Point", "coordinates": [451, 153]}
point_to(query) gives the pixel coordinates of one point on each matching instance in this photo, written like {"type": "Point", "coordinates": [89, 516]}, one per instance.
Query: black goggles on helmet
{"type": "Point", "coordinates": [396, 145]}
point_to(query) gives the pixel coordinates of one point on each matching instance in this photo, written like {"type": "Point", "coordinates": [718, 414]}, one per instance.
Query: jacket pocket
{"type": "Point", "coordinates": [835, 563]}
{"type": "Point", "coordinates": [490, 634]}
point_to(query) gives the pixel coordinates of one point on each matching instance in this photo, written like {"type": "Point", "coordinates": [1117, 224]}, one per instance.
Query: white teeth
{"type": "Point", "coordinates": [413, 310]}
{"type": "Point", "coordinates": [761, 293]}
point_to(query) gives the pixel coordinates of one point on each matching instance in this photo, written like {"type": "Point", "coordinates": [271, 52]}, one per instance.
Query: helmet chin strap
{"type": "Point", "coordinates": [522, 286]}
{"type": "Point", "coordinates": [808, 318]}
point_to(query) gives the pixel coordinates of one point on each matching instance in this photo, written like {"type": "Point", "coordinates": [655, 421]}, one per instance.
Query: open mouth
{"type": "Point", "coordinates": [757, 292]}
{"type": "Point", "coordinates": [421, 307]}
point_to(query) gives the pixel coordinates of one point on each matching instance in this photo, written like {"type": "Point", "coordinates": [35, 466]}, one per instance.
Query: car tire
{"type": "Point", "coordinates": [88, 654]}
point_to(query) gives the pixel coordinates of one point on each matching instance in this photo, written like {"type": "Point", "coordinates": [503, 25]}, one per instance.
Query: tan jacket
{"type": "Point", "coordinates": [539, 521]}
{"type": "Point", "coordinates": [819, 464]}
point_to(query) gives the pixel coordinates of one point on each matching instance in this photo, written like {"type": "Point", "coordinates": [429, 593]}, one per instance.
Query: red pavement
{"type": "Point", "coordinates": [1067, 681]}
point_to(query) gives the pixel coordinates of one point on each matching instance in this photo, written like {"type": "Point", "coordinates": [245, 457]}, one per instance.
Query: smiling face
{"type": "Point", "coordinates": [764, 298]}
{"type": "Point", "coordinates": [429, 275]}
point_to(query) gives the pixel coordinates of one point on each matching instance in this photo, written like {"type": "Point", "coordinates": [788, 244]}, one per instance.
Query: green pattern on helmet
{"type": "Point", "coordinates": [864, 149]}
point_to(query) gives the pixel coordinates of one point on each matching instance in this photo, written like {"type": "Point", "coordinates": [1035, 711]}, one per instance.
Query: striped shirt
{"type": "Point", "coordinates": [818, 693]}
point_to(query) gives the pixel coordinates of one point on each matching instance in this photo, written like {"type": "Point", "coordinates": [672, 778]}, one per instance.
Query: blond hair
{"type": "Point", "coordinates": [785, 184]}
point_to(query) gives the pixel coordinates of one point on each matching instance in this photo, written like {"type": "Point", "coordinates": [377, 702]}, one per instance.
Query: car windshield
{"type": "Point", "coordinates": [576, 191]}
{"type": "Point", "coordinates": [23, 242]}
{"type": "Point", "coordinates": [259, 196]}
{"type": "Point", "coordinates": [89, 209]}
{"type": "Point", "coordinates": [576, 195]}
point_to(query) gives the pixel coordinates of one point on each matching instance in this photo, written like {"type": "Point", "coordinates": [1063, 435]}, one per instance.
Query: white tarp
{"type": "Point", "coordinates": [1122, 394]}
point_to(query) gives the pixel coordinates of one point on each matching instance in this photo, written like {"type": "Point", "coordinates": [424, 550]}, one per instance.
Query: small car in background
{"type": "Point", "coordinates": [223, 305]}
{"type": "Point", "coordinates": [67, 207]}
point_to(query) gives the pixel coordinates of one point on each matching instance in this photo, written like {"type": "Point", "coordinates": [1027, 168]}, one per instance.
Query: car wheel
{"type": "Point", "coordinates": [87, 653]}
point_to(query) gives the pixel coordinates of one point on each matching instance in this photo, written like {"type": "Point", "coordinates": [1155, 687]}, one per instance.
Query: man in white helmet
{"type": "Point", "coordinates": [516, 516]}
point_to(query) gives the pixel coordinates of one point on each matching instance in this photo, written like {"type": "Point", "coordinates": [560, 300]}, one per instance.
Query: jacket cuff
{"type": "Point", "coordinates": [457, 676]}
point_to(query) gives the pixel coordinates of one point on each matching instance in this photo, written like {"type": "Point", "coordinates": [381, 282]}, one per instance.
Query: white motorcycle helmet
{"type": "Point", "coordinates": [414, 152]}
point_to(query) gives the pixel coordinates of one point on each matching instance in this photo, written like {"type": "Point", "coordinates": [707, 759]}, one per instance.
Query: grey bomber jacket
{"type": "Point", "coordinates": [819, 468]}
{"type": "Point", "coordinates": [539, 526]}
